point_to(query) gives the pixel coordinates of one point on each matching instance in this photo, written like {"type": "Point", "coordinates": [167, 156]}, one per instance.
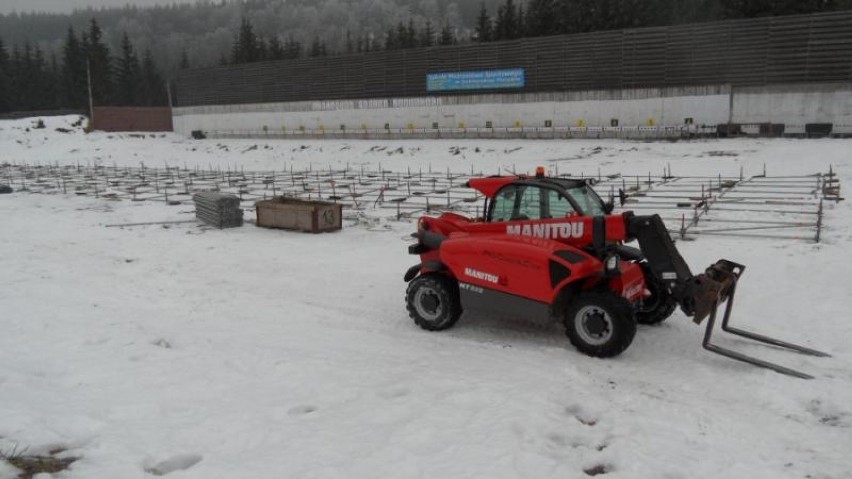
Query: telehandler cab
{"type": "Point", "coordinates": [550, 247]}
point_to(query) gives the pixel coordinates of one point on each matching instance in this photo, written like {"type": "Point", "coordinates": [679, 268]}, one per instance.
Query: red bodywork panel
{"type": "Point", "coordinates": [514, 257]}
{"type": "Point", "coordinates": [574, 231]}
{"type": "Point", "coordinates": [534, 259]}
{"type": "Point", "coordinates": [521, 266]}
{"type": "Point", "coordinates": [490, 186]}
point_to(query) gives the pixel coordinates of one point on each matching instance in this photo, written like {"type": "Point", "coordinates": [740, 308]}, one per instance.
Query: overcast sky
{"type": "Point", "coordinates": [66, 6]}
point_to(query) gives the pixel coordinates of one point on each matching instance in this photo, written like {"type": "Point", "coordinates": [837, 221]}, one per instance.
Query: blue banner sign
{"type": "Point", "coordinates": [475, 80]}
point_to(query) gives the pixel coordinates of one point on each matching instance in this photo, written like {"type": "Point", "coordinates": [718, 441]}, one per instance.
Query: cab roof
{"type": "Point", "coordinates": [489, 186]}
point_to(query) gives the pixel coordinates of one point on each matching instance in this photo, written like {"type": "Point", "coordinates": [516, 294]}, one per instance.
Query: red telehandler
{"type": "Point", "coordinates": [551, 248]}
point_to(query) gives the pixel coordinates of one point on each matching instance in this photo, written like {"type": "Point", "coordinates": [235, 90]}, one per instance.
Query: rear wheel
{"type": "Point", "coordinates": [600, 323]}
{"type": "Point", "coordinates": [433, 302]}
{"type": "Point", "coordinates": [657, 307]}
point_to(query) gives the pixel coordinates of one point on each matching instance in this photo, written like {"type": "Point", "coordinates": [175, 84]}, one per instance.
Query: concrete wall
{"type": "Point", "coordinates": [590, 108]}
{"type": "Point", "coordinates": [669, 107]}
{"type": "Point", "coordinates": [795, 106]}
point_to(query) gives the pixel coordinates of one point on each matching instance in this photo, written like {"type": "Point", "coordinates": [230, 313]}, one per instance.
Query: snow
{"type": "Point", "coordinates": [250, 352]}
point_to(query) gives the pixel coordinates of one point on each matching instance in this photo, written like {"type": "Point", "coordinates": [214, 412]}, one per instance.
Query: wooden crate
{"type": "Point", "coordinates": [301, 215]}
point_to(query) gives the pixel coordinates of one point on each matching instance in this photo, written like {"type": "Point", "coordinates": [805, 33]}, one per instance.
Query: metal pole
{"type": "Point", "coordinates": [169, 92]}
{"type": "Point", "coordinates": [91, 100]}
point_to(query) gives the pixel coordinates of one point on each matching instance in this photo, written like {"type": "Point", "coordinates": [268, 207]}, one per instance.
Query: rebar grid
{"type": "Point", "coordinates": [760, 206]}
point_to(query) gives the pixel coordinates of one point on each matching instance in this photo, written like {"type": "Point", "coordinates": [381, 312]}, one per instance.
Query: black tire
{"type": "Point", "coordinates": [657, 307]}
{"type": "Point", "coordinates": [600, 323]}
{"type": "Point", "coordinates": [433, 302]}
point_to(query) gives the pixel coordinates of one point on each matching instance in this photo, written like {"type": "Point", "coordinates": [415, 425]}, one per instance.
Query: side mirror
{"type": "Point", "coordinates": [622, 196]}
{"type": "Point", "coordinates": [608, 207]}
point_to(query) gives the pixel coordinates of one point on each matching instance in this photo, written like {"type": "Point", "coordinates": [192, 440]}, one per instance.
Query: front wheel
{"type": "Point", "coordinates": [600, 323]}
{"type": "Point", "coordinates": [433, 302]}
{"type": "Point", "coordinates": [657, 307]}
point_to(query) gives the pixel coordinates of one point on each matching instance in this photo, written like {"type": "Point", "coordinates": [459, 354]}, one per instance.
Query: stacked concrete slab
{"type": "Point", "coordinates": [218, 209]}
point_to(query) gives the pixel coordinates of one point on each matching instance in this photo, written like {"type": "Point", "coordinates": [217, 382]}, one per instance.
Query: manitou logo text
{"type": "Point", "coordinates": [548, 230]}
{"type": "Point", "coordinates": [480, 275]}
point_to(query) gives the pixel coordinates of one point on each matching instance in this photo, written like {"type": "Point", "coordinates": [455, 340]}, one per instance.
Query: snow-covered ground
{"type": "Point", "coordinates": [264, 353]}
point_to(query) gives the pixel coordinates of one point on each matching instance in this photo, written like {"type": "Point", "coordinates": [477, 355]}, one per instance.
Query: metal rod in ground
{"type": "Point", "coordinates": [152, 223]}
{"type": "Point", "coordinates": [819, 222]}
{"type": "Point", "coordinates": [752, 228]}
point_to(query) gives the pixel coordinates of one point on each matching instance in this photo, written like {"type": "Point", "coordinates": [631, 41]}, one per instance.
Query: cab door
{"type": "Point", "coordinates": [520, 202]}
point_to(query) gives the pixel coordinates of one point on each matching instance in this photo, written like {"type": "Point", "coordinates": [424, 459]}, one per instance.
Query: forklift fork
{"type": "Point", "coordinates": [728, 272]}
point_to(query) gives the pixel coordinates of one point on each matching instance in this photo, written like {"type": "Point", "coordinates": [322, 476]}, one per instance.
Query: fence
{"type": "Point", "coordinates": [751, 52]}
{"type": "Point", "coordinates": [17, 115]}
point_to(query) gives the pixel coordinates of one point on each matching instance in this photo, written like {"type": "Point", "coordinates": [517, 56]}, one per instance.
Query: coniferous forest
{"type": "Point", "coordinates": [45, 59]}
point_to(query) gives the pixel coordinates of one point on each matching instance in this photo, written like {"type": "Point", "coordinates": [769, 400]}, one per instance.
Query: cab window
{"type": "Point", "coordinates": [530, 207]}
{"type": "Point", "coordinates": [528, 202]}
{"type": "Point", "coordinates": [587, 199]}
{"type": "Point", "coordinates": [503, 206]}
{"type": "Point", "coordinates": [558, 205]}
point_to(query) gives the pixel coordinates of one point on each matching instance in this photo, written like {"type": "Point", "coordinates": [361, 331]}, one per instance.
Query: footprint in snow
{"type": "Point", "coordinates": [583, 417]}
{"type": "Point", "coordinates": [560, 440]}
{"type": "Point", "coordinates": [162, 343]}
{"type": "Point", "coordinates": [180, 462]}
{"type": "Point", "coordinates": [828, 415]}
{"type": "Point", "coordinates": [395, 393]}
{"type": "Point", "coordinates": [301, 410]}
{"type": "Point", "coordinates": [597, 469]}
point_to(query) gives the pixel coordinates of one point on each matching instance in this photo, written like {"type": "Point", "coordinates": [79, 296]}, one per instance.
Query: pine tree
{"type": "Point", "coordinates": [128, 74]}
{"type": "Point", "coordinates": [29, 83]}
{"type": "Point", "coordinates": [184, 60]}
{"type": "Point", "coordinates": [262, 52]}
{"type": "Point", "coordinates": [427, 36]}
{"type": "Point", "coordinates": [447, 36]}
{"type": "Point", "coordinates": [484, 25]}
{"type": "Point", "coordinates": [23, 81]}
{"type": "Point", "coordinates": [390, 40]}
{"type": "Point", "coordinates": [506, 26]}
{"type": "Point", "coordinates": [316, 47]}
{"type": "Point", "coordinates": [639, 14]}
{"type": "Point", "coordinates": [236, 51]}
{"type": "Point", "coordinates": [246, 47]}
{"type": "Point", "coordinates": [100, 65]}
{"type": "Point", "coordinates": [521, 30]}
{"type": "Point", "coordinates": [5, 84]}
{"type": "Point", "coordinates": [16, 66]}
{"type": "Point", "coordinates": [41, 80]}
{"type": "Point", "coordinates": [411, 34]}
{"type": "Point", "coordinates": [401, 36]}
{"type": "Point", "coordinates": [275, 50]}
{"type": "Point", "coordinates": [54, 89]}
{"type": "Point", "coordinates": [74, 82]}
{"type": "Point", "coordinates": [578, 16]}
{"type": "Point", "coordinates": [542, 18]}
{"type": "Point", "coordinates": [152, 89]}
{"type": "Point", "coordinates": [677, 12]}
{"type": "Point", "coordinates": [293, 48]}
